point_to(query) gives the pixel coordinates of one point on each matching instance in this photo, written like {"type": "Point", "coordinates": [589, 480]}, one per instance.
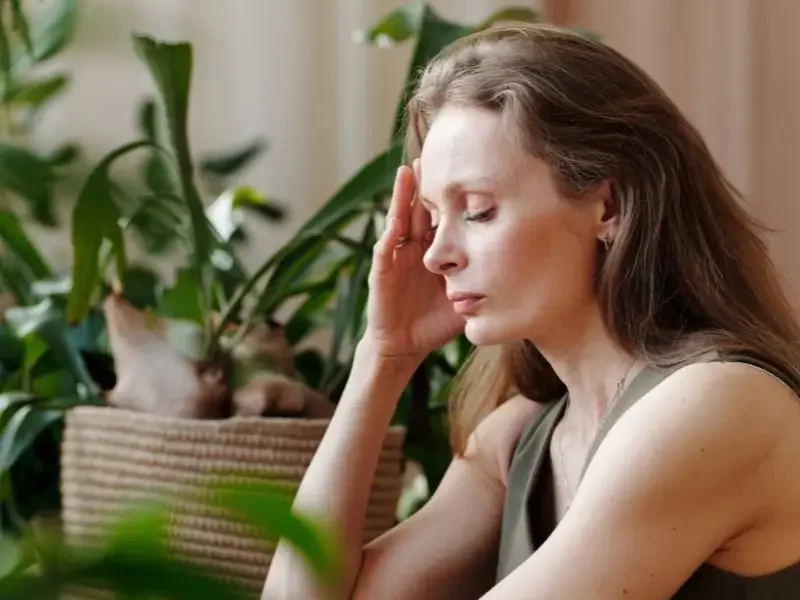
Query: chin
{"type": "Point", "coordinates": [485, 331]}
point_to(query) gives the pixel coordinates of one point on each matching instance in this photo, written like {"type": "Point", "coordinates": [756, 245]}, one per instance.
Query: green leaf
{"type": "Point", "coordinates": [271, 210]}
{"type": "Point", "coordinates": [398, 25]}
{"type": "Point", "coordinates": [339, 327]}
{"type": "Point", "coordinates": [181, 301]}
{"type": "Point", "coordinates": [270, 512]}
{"type": "Point", "coordinates": [28, 175]}
{"type": "Point", "coordinates": [95, 218]}
{"type": "Point", "coordinates": [434, 34]}
{"type": "Point", "coordinates": [375, 177]}
{"type": "Point", "coordinates": [48, 323]}
{"type": "Point", "coordinates": [36, 94]}
{"type": "Point", "coordinates": [10, 403]}
{"type": "Point", "coordinates": [131, 561]}
{"type": "Point", "coordinates": [141, 287]}
{"type": "Point", "coordinates": [148, 120]}
{"type": "Point", "coordinates": [298, 256]}
{"type": "Point", "coordinates": [21, 432]}
{"type": "Point", "coordinates": [11, 347]}
{"type": "Point", "coordinates": [20, 24]}
{"type": "Point", "coordinates": [16, 241]}
{"type": "Point", "coordinates": [156, 170]}
{"type": "Point", "coordinates": [63, 155]}
{"type": "Point", "coordinates": [229, 163]}
{"type": "Point", "coordinates": [35, 348]}
{"type": "Point", "coordinates": [170, 66]}
{"type": "Point", "coordinates": [159, 222]}
{"type": "Point", "coordinates": [293, 267]}
{"type": "Point", "coordinates": [5, 55]}
{"type": "Point", "coordinates": [308, 316]}
{"type": "Point", "coordinates": [15, 279]}
{"type": "Point", "coordinates": [511, 13]}
{"type": "Point", "coordinates": [55, 31]}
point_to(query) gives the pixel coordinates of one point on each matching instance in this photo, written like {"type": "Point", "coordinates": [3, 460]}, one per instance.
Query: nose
{"type": "Point", "coordinates": [444, 256]}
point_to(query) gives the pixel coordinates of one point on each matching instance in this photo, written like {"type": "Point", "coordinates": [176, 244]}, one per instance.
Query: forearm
{"type": "Point", "coordinates": [337, 483]}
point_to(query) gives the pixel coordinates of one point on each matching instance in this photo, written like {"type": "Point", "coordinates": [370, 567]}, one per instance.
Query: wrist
{"type": "Point", "coordinates": [401, 366]}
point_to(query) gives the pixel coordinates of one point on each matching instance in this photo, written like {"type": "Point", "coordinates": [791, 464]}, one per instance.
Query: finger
{"type": "Point", "coordinates": [383, 250]}
{"type": "Point", "coordinates": [402, 195]}
{"type": "Point", "coordinates": [420, 217]}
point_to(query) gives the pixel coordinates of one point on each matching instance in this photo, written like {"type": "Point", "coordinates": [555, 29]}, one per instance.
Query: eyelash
{"type": "Point", "coordinates": [478, 217]}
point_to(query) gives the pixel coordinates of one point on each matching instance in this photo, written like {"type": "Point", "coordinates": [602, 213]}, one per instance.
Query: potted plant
{"type": "Point", "coordinates": [200, 394]}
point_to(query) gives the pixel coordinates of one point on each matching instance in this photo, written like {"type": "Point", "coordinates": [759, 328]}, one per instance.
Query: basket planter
{"type": "Point", "coordinates": [113, 457]}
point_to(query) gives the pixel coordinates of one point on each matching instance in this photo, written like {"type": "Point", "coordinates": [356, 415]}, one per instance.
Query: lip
{"type": "Point", "coordinates": [465, 303]}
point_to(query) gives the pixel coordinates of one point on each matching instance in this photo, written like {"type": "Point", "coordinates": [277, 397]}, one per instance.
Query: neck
{"type": "Point", "coordinates": [590, 363]}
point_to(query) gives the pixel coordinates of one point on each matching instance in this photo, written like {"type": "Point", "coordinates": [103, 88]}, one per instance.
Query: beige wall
{"type": "Point", "coordinates": [734, 68]}
{"type": "Point", "coordinates": [289, 70]}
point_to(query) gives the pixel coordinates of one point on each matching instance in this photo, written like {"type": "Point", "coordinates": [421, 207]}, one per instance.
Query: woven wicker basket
{"type": "Point", "coordinates": [113, 457]}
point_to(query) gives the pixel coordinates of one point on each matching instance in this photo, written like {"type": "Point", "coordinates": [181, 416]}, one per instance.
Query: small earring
{"type": "Point", "coordinates": [607, 242]}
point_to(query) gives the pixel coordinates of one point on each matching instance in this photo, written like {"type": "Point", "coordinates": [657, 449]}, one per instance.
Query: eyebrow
{"type": "Point", "coordinates": [458, 186]}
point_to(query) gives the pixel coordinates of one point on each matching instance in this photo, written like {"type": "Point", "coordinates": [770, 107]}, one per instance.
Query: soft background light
{"type": "Point", "coordinates": [289, 70]}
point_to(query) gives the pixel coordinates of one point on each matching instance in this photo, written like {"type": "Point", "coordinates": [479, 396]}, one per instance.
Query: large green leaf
{"type": "Point", "coordinates": [374, 178]}
{"type": "Point", "coordinates": [55, 30]}
{"type": "Point", "coordinates": [15, 240]}
{"type": "Point", "coordinates": [269, 512]}
{"type": "Point", "coordinates": [170, 66]}
{"type": "Point", "coordinates": [434, 33]}
{"type": "Point", "coordinates": [132, 560]}
{"type": "Point", "coordinates": [291, 270]}
{"type": "Point", "coordinates": [30, 176]}
{"type": "Point", "coordinates": [298, 257]}
{"type": "Point", "coordinates": [350, 304]}
{"type": "Point", "coordinates": [95, 218]}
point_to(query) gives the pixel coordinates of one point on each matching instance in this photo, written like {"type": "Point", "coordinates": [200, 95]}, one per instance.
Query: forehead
{"type": "Point", "coordinates": [468, 144]}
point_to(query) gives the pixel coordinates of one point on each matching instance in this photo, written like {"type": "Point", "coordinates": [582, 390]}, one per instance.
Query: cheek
{"type": "Point", "coordinates": [541, 259]}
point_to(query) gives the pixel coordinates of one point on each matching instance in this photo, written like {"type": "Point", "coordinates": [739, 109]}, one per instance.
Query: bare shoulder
{"type": "Point", "coordinates": [729, 425]}
{"type": "Point", "coordinates": [496, 437]}
{"type": "Point", "coordinates": [728, 394]}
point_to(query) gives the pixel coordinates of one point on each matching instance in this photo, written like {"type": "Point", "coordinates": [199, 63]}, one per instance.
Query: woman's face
{"type": "Point", "coordinates": [503, 233]}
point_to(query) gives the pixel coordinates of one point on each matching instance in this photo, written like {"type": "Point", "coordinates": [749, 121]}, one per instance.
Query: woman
{"type": "Point", "coordinates": [629, 427]}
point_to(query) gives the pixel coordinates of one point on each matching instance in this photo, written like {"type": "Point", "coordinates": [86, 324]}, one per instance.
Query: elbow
{"type": "Point", "coordinates": [297, 582]}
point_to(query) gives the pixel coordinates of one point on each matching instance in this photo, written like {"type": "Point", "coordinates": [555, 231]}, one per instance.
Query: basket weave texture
{"type": "Point", "coordinates": [112, 458]}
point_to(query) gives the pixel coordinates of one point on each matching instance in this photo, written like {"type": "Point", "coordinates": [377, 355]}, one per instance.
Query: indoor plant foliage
{"type": "Point", "coordinates": [203, 353]}
{"type": "Point", "coordinates": [43, 565]}
{"type": "Point", "coordinates": [99, 337]}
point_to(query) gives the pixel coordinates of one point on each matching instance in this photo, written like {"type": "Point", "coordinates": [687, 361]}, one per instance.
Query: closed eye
{"type": "Point", "coordinates": [481, 216]}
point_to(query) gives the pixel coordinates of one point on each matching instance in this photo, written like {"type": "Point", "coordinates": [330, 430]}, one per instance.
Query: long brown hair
{"type": "Point", "coordinates": [687, 272]}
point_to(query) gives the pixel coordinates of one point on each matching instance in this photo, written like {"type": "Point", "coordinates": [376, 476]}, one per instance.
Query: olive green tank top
{"type": "Point", "coordinates": [528, 506]}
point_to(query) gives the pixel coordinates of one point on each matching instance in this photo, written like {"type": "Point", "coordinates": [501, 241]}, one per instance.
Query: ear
{"type": "Point", "coordinates": [608, 212]}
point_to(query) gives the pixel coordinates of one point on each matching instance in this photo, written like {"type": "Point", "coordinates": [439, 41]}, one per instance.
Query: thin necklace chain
{"type": "Point", "coordinates": [611, 403]}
